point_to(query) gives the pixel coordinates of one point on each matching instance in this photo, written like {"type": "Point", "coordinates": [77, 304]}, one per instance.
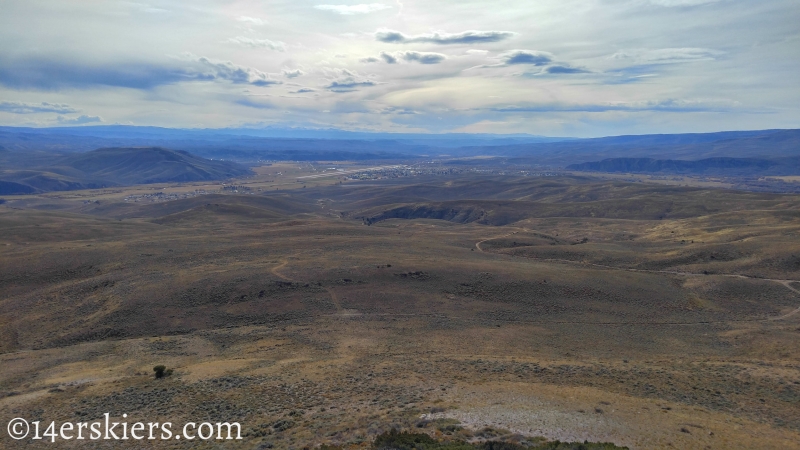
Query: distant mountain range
{"type": "Point", "coordinates": [114, 167]}
{"type": "Point", "coordinates": [250, 145]}
{"type": "Point", "coordinates": [47, 159]}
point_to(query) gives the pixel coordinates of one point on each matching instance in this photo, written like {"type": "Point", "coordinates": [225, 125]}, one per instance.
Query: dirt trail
{"type": "Point", "coordinates": [478, 244]}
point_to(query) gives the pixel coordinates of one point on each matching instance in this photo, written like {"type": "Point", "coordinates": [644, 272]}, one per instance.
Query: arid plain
{"type": "Point", "coordinates": [328, 311]}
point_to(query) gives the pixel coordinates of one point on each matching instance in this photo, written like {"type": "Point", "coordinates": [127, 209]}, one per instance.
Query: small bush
{"type": "Point", "coordinates": [162, 371]}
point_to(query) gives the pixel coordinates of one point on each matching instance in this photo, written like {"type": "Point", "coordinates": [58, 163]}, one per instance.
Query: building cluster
{"type": "Point", "coordinates": [161, 196]}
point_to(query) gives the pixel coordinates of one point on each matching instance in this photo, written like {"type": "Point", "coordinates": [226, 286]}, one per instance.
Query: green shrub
{"type": "Point", "coordinates": [162, 371]}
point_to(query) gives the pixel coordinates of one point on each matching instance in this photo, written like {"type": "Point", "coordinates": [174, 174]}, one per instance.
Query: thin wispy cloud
{"type": "Point", "coordinates": [349, 10]}
{"type": "Point", "coordinates": [292, 73]}
{"type": "Point", "coordinates": [676, 3]}
{"type": "Point", "coordinates": [34, 108]}
{"type": "Point", "coordinates": [252, 20]}
{"type": "Point", "coordinates": [408, 56]}
{"type": "Point", "coordinates": [255, 102]}
{"type": "Point", "coordinates": [348, 85]}
{"type": "Point", "coordinates": [520, 57]}
{"type": "Point", "coordinates": [80, 120]}
{"type": "Point", "coordinates": [465, 37]}
{"type": "Point", "coordinates": [667, 105]}
{"type": "Point", "coordinates": [226, 70]}
{"type": "Point", "coordinates": [532, 57]}
{"type": "Point", "coordinates": [257, 43]}
{"type": "Point", "coordinates": [422, 57]}
{"type": "Point", "coordinates": [565, 70]}
{"type": "Point", "coordinates": [667, 55]}
{"type": "Point", "coordinates": [343, 80]}
{"type": "Point", "coordinates": [56, 73]}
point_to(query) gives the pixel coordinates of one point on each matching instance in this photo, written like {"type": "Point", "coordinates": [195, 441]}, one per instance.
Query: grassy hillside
{"type": "Point", "coordinates": [572, 311]}
{"type": "Point", "coordinates": [117, 167]}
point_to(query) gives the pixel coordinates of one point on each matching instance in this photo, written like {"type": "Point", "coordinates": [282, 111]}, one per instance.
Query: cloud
{"type": "Point", "coordinates": [409, 56]}
{"type": "Point", "coordinates": [390, 59]}
{"type": "Point", "coordinates": [558, 69]}
{"type": "Point", "coordinates": [257, 43]}
{"type": "Point", "coordinates": [254, 103]}
{"type": "Point", "coordinates": [521, 57]}
{"type": "Point", "coordinates": [533, 57]}
{"type": "Point", "coordinates": [668, 105]}
{"type": "Point", "coordinates": [303, 91]}
{"type": "Point", "coordinates": [80, 120]}
{"type": "Point", "coordinates": [33, 108]}
{"type": "Point", "coordinates": [343, 80]}
{"type": "Point", "coordinates": [253, 20]}
{"type": "Point", "coordinates": [465, 37]}
{"type": "Point", "coordinates": [423, 57]}
{"type": "Point", "coordinates": [293, 73]}
{"type": "Point", "coordinates": [348, 85]}
{"type": "Point", "coordinates": [667, 55]}
{"type": "Point", "coordinates": [674, 3]}
{"type": "Point", "coordinates": [565, 70]}
{"type": "Point", "coordinates": [400, 111]}
{"type": "Point", "coordinates": [349, 10]}
{"type": "Point", "coordinates": [58, 73]}
{"type": "Point", "coordinates": [226, 70]}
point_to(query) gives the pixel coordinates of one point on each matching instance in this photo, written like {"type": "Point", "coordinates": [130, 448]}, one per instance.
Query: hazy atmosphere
{"type": "Point", "coordinates": [549, 67]}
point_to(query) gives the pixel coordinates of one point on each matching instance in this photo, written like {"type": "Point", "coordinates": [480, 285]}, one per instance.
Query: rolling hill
{"type": "Point", "coordinates": [708, 166]}
{"type": "Point", "coordinates": [115, 167]}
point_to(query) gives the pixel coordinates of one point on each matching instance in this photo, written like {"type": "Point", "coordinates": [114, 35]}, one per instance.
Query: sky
{"type": "Point", "coordinates": [545, 67]}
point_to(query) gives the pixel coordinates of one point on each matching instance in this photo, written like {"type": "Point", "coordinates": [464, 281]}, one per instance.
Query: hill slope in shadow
{"type": "Point", "coordinates": [117, 166]}
{"type": "Point", "coordinates": [708, 166]}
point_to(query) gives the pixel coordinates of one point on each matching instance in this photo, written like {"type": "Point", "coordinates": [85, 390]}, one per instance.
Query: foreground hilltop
{"type": "Point", "coordinates": [114, 167]}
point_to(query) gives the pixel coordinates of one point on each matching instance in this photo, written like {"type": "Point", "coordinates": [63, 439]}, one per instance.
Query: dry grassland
{"type": "Point", "coordinates": [535, 307]}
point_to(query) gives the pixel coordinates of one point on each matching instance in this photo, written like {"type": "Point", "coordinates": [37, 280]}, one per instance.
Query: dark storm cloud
{"type": "Point", "coordinates": [33, 108]}
{"type": "Point", "coordinates": [465, 37]}
{"type": "Point", "coordinates": [56, 73]}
